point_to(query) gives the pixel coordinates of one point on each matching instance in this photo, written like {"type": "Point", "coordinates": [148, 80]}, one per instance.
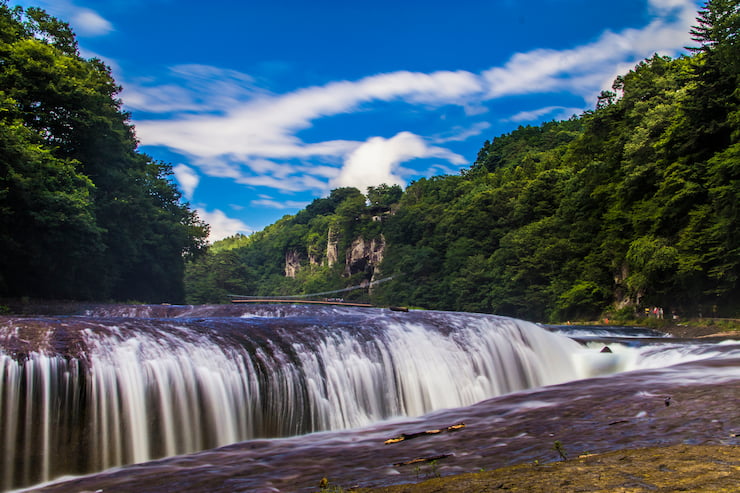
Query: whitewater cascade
{"type": "Point", "coordinates": [85, 393]}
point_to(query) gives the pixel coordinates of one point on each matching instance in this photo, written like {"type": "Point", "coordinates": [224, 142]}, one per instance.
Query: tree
{"type": "Point", "coordinates": [382, 197]}
{"type": "Point", "coordinates": [47, 225]}
{"type": "Point", "coordinates": [128, 230]}
{"type": "Point", "coordinates": [713, 106]}
{"type": "Point", "coordinates": [217, 276]}
{"type": "Point", "coordinates": [718, 26]}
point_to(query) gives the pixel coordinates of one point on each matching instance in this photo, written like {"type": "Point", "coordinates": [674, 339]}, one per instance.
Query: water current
{"type": "Point", "coordinates": [121, 385]}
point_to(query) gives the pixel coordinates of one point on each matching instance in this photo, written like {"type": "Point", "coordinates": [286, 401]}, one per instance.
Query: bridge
{"type": "Point", "coordinates": [328, 297]}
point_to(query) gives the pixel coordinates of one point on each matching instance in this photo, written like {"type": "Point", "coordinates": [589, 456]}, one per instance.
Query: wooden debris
{"type": "Point", "coordinates": [409, 436]}
{"type": "Point", "coordinates": [422, 459]}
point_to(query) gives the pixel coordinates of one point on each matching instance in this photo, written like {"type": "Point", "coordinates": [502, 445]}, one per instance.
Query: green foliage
{"type": "Point", "coordinates": [83, 215]}
{"type": "Point", "coordinates": [632, 204]}
{"type": "Point", "coordinates": [47, 226]}
{"type": "Point", "coordinates": [256, 265]}
{"type": "Point", "coordinates": [383, 197]}
{"type": "Point", "coordinates": [216, 277]}
{"type": "Point", "coordinates": [558, 447]}
{"type": "Point", "coordinates": [326, 486]}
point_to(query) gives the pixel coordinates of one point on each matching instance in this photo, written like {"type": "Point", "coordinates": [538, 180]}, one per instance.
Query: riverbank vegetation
{"type": "Point", "coordinates": [83, 214]}
{"type": "Point", "coordinates": [631, 205]}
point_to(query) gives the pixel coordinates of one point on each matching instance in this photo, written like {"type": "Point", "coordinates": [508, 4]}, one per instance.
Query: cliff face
{"type": "Point", "coordinates": [364, 256]}
{"type": "Point", "coordinates": [292, 263]}
{"type": "Point", "coordinates": [332, 248]}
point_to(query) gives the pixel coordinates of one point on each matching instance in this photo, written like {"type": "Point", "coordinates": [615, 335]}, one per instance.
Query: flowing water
{"type": "Point", "coordinates": [122, 385]}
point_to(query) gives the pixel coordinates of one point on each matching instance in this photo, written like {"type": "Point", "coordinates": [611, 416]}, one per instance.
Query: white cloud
{"type": "Point", "coordinates": [197, 89]}
{"type": "Point", "coordinates": [84, 21]}
{"type": "Point", "coordinates": [377, 160]}
{"type": "Point", "coordinates": [559, 113]}
{"type": "Point", "coordinates": [460, 134]}
{"type": "Point", "coordinates": [89, 23]}
{"type": "Point", "coordinates": [229, 127]}
{"type": "Point", "coordinates": [276, 204]}
{"type": "Point", "coordinates": [222, 225]}
{"type": "Point", "coordinates": [297, 183]}
{"type": "Point", "coordinates": [246, 142]}
{"type": "Point", "coordinates": [580, 69]}
{"type": "Point", "coordinates": [266, 125]}
{"type": "Point", "coordinates": [666, 6]}
{"type": "Point", "coordinates": [187, 178]}
{"type": "Point", "coordinates": [285, 177]}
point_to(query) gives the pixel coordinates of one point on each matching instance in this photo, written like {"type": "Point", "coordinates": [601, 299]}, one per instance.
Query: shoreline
{"type": "Point", "coordinates": [698, 468]}
{"type": "Point", "coordinates": [688, 329]}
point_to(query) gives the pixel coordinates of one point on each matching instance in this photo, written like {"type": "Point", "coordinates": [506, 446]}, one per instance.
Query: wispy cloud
{"type": "Point", "coordinates": [89, 23]}
{"type": "Point", "coordinates": [557, 112]}
{"type": "Point", "coordinates": [664, 7]}
{"type": "Point", "coordinates": [459, 133]}
{"type": "Point", "coordinates": [222, 225]}
{"type": "Point", "coordinates": [586, 69]}
{"type": "Point", "coordinates": [195, 88]}
{"type": "Point", "coordinates": [84, 21]}
{"type": "Point", "coordinates": [278, 204]}
{"type": "Point", "coordinates": [187, 178]}
{"type": "Point", "coordinates": [266, 125]}
{"type": "Point", "coordinates": [246, 141]}
{"type": "Point", "coordinates": [231, 128]}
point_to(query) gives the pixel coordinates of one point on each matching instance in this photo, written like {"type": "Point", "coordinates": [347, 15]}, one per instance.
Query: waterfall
{"type": "Point", "coordinates": [81, 394]}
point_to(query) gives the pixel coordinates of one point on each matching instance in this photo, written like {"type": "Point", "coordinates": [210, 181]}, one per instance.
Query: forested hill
{"type": "Point", "coordinates": [634, 204]}
{"type": "Point", "coordinates": [83, 215]}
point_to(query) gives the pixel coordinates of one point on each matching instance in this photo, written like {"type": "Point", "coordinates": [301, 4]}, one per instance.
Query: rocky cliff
{"type": "Point", "coordinates": [362, 256]}
{"type": "Point", "coordinates": [332, 248]}
{"type": "Point", "coordinates": [292, 263]}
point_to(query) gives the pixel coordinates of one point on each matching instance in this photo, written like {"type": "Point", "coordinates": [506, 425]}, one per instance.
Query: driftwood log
{"type": "Point", "coordinates": [409, 436]}
{"type": "Point", "coordinates": [422, 459]}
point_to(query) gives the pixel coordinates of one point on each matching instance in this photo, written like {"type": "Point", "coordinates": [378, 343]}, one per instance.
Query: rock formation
{"type": "Point", "coordinates": [364, 256]}
{"type": "Point", "coordinates": [292, 263]}
{"type": "Point", "coordinates": [332, 248]}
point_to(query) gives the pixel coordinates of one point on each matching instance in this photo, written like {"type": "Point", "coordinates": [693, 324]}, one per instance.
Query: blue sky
{"type": "Point", "coordinates": [263, 106]}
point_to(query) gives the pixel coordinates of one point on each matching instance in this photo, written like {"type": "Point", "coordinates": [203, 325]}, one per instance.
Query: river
{"type": "Point", "coordinates": [273, 398]}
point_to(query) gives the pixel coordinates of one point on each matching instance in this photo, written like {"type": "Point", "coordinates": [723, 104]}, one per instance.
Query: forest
{"type": "Point", "coordinates": [631, 205]}
{"type": "Point", "coordinates": [83, 214]}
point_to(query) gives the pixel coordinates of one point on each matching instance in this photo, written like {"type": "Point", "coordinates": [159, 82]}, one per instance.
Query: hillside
{"type": "Point", "coordinates": [628, 206]}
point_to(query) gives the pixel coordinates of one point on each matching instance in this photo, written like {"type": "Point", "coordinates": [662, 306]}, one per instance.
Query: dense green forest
{"type": "Point", "coordinates": [83, 215]}
{"type": "Point", "coordinates": [631, 205]}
